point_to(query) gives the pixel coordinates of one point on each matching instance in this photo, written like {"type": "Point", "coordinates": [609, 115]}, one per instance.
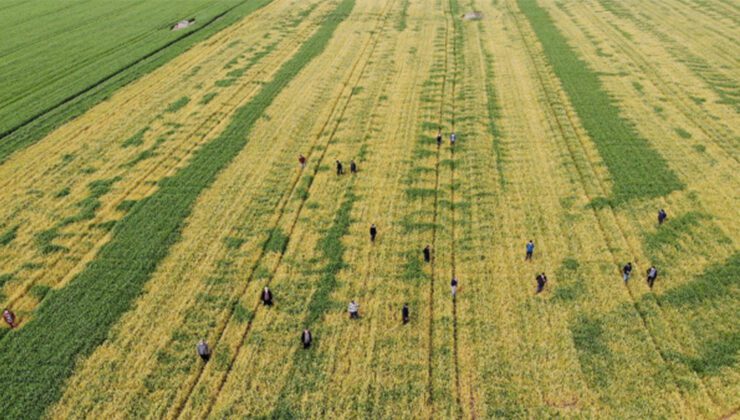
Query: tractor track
{"type": "Point", "coordinates": [433, 265]}
{"type": "Point", "coordinates": [453, 187]}
{"type": "Point", "coordinates": [570, 126]}
{"type": "Point", "coordinates": [211, 124]}
{"type": "Point", "coordinates": [435, 218]}
{"type": "Point", "coordinates": [369, 44]}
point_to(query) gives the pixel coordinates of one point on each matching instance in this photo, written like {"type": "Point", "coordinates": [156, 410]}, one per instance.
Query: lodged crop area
{"type": "Point", "coordinates": [150, 189]}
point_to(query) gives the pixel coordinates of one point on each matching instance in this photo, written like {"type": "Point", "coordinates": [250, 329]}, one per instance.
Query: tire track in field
{"type": "Point", "coordinates": [453, 93]}
{"type": "Point", "coordinates": [435, 217]}
{"type": "Point", "coordinates": [211, 124]}
{"type": "Point", "coordinates": [369, 44]}
{"type": "Point", "coordinates": [570, 126]}
{"type": "Point", "coordinates": [699, 118]}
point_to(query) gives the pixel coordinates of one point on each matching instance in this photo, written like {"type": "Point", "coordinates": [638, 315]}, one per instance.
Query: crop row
{"type": "Point", "coordinates": [79, 75]}
{"type": "Point", "coordinates": [59, 169]}
{"type": "Point", "coordinates": [697, 238]}
{"type": "Point", "coordinates": [76, 319]}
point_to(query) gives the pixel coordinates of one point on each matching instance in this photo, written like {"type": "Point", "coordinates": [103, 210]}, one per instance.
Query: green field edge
{"type": "Point", "coordinates": [636, 169]}
{"type": "Point", "coordinates": [37, 127]}
{"type": "Point", "coordinates": [37, 359]}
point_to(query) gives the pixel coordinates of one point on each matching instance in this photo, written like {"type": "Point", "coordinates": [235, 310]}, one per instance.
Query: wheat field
{"type": "Point", "coordinates": [140, 219]}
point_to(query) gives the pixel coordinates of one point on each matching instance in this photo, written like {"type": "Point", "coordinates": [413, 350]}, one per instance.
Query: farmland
{"type": "Point", "coordinates": [151, 189]}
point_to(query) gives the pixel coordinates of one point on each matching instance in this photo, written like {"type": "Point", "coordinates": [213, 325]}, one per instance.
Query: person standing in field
{"type": "Point", "coordinates": [354, 309]}
{"type": "Point", "coordinates": [541, 281]}
{"type": "Point", "coordinates": [530, 250]}
{"type": "Point", "coordinates": [302, 161]}
{"type": "Point", "coordinates": [662, 215]}
{"type": "Point", "coordinates": [405, 313]}
{"type": "Point", "coordinates": [626, 271]}
{"type": "Point", "coordinates": [652, 274]}
{"type": "Point", "coordinates": [306, 338]}
{"type": "Point", "coordinates": [427, 253]}
{"type": "Point", "coordinates": [373, 232]}
{"type": "Point", "coordinates": [203, 351]}
{"type": "Point", "coordinates": [453, 138]}
{"type": "Point", "coordinates": [453, 286]}
{"type": "Point", "coordinates": [439, 138]}
{"type": "Point", "coordinates": [340, 168]}
{"type": "Point", "coordinates": [352, 167]}
{"type": "Point", "coordinates": [9, 318]}
{"type": "Point", "coordinates": [266, 296]}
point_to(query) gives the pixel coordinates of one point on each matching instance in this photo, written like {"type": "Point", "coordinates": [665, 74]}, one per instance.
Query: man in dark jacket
{"type": "Point", "coordinates": [340, 168]}
{"type": "Point", "coordinates": [306, 338]}
{"type": "Point", "coordinates": [203, 351]}
{"type": "Point", "coordinates": [352, 167]}
{"type": "Point", "coordinates": [405, 313]}
{"type": "Point", "coordinates": [427, 253]}
{"type": "Point", "coordinates": [626, 271]}
{"type": "Point", "coordinates": [266, 296]}
{"type": "Point", "coordinates": [373, 232]}
{"type": "Point", "coordinates": [439, 138]}
{"type": "Point", "coordinates": [541, 281]}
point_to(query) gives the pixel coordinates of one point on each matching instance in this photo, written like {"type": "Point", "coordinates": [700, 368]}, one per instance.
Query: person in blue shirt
{"type": "Point", "coordinates": [530, 250]}
{"type": "Point", "coordinates": [662, 215]}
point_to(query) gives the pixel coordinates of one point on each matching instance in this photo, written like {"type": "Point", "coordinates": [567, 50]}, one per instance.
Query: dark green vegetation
{"type": "Point", "coordinates": [710, 305]}
{"type": "Point", "coordinates": [135, 140]}
{"type": "Point", "coordinates": [84, 51]}
{"type": "Point", "coordinates": [73, 321]}
{"type": "Point", "coordinates": [636, 169]}
{"type": "Point", "coordinates": [177, 105]}
{"type": "Point", "coordinates": [593, 352]}
{"type": "Point", "coordinates": [90, 204]}
{"type": "Point", "coordinates": [304, 363]}
{"type": "Point", "coordinates": [8, 235]}
{"type": "Point", "coordinates": [717, 282]}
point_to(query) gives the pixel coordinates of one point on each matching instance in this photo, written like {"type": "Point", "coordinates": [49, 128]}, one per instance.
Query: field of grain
{"type": "Point", "coordinates": [149, 213]}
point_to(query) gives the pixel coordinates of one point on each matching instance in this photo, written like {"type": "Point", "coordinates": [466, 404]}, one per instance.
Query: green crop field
{"type": "Point", "coordinates": [151, 189]}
